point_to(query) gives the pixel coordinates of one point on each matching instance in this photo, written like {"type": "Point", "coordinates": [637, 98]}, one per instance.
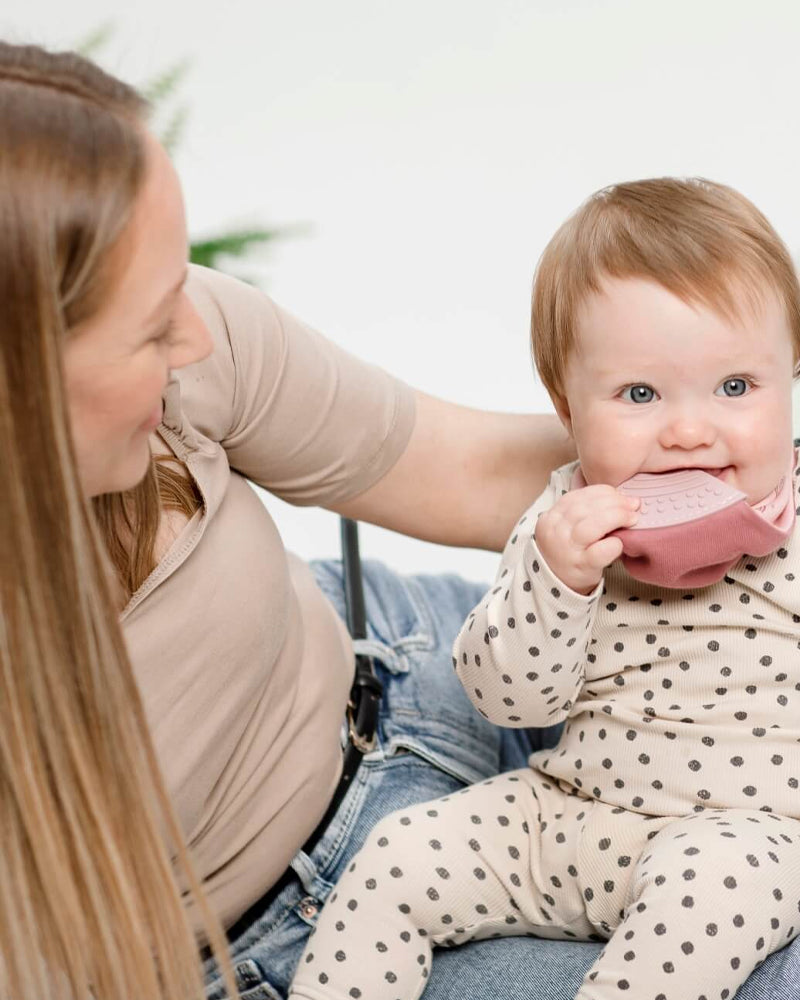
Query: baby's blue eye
{"type": "Point", "coordinates": [639, 394]}
{"type": "Point", "coordinates": [733, 387]}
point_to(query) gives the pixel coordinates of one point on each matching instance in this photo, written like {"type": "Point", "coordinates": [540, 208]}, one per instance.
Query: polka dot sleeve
{"type": "Point", "coordinates": [521, 652]}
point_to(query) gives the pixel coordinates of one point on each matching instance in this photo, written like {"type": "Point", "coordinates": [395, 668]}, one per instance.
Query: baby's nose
{"type": "Point", "coordinates": [688, 431]}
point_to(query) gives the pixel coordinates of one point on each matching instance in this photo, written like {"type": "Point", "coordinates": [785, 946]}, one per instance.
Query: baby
{"type": "Point", "coordinates": [666, 328]}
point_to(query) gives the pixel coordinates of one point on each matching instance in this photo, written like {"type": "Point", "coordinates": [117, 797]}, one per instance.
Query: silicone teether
{"type": "Point", "coordinates": [669, 498]}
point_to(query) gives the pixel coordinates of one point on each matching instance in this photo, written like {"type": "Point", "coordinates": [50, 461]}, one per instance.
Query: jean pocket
{"type": "Point", "coordinates": [399, 616]}
{"type": "Point", "coordinates": [467, 764]}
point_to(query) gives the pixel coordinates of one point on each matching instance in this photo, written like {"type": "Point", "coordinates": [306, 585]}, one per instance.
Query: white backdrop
{"type": "Point", "coordinates": [433, 146]}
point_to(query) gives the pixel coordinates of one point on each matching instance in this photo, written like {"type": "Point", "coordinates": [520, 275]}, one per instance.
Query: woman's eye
{"type": "Point", "coordinates": [639, 394]}
{"type": "Point", "coordinates": [733, 387]}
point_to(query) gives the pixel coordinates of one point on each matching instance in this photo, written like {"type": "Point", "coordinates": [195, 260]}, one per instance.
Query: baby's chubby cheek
{"type": "Point", "coordinates": [606, 459]}
{"type": "Point", "coordinates": [760, 456]}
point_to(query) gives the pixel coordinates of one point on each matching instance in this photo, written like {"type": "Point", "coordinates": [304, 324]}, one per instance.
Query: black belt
{"type": "Point", "coordinates": [362, 716]}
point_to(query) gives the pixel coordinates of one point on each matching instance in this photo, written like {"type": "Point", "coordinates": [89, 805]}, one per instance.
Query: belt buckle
{"type": "Point", "coordinates": [361, 744]}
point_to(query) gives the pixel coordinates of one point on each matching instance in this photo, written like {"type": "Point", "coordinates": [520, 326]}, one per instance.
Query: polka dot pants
{"type": "Point", "coordinates": [689, 906]}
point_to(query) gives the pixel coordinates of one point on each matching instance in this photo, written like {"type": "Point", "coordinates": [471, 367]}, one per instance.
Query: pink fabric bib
{"type": "Point", "coordinates": [693, 527]}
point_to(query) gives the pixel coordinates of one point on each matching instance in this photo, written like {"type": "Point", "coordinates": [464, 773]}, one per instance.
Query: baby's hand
{"type": "Point", "coordinates": [572, 534]}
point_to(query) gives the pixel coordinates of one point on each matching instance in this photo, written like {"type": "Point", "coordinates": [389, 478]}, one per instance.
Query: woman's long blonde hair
{"type": "Point", "coordinates": [91, 854]}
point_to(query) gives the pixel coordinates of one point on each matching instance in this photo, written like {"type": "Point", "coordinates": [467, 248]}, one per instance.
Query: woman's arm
{"type": "Point", "coordinates": [313, 424]}
{"type": "Point", "coordinates": [465, 476]}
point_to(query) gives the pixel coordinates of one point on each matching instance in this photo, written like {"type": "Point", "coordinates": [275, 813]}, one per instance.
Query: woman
{"type": "Point", "coordinates": [134, 406]}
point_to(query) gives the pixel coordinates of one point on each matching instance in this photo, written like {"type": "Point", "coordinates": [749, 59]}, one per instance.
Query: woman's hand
{"type": "Point", "coordinates": [572, 534]}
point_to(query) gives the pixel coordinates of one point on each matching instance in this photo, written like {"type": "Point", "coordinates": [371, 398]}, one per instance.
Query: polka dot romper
{"type": "Point", "coordinates": [666, 822]}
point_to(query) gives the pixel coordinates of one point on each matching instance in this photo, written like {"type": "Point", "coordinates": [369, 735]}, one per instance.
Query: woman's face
{"type": "Point", "coordinates": [117, 363]}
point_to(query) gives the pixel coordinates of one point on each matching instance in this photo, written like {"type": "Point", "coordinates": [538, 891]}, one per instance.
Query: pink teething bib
{"type": "Point", "coordinates": [693, 527]}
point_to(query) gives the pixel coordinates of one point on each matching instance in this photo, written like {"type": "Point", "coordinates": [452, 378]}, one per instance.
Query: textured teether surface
{"type": "Point", "coordinates": [669, 498]}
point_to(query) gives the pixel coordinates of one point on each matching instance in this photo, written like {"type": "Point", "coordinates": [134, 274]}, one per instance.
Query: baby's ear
{"type": "Point", "coordinates": [562, 409]}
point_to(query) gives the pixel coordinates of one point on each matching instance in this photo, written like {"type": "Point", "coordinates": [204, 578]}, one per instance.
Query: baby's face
{"type": "Point", "coordinates": [656, 385]}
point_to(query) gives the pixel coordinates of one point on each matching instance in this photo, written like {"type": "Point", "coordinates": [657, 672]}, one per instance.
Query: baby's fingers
{"type": "Point", "coordinates": [603, 553]}
{"type": "Point", "coordinates": [602, 520]}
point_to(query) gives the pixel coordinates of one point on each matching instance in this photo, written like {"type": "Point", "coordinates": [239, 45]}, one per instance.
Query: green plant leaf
{"type": "Point", "coordinates": [230, 244]}
{"type": "Point", "coordinates": [172, 133]}
{"type": "Point", "coordinates": [165, 83]}
{"type": "Point", "coordinates": [96, 39]}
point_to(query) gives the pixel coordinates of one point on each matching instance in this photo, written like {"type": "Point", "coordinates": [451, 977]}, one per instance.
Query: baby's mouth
{"type": "Point", "coordinates": [720, 473]}
{"type": "Point", "coordinates": [716, 472]}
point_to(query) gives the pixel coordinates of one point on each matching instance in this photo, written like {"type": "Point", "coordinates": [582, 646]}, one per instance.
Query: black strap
{"type": "Point", "coordinates": [365, 695]}
{"type": "Point", "coordinates": [355, 608]}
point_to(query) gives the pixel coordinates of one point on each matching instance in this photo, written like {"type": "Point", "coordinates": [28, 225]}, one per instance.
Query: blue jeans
{"type": "Point", "coordinates": [431, 742]}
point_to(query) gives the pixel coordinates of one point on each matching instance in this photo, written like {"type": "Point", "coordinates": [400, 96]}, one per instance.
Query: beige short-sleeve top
{"type": "Point", "coordinates": [243, 665]}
